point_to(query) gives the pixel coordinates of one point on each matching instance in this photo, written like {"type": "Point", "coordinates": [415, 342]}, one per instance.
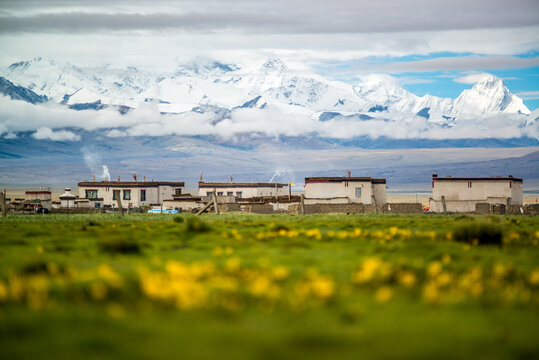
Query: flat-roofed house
{"type": "Point", "coordinates": [242, 190]}
{"type": "Point", "coordinates": [461, 194]}
{"type": "Point", "coordinates": [339, 190]}
{"type": "Point", "coordinates": [132, 193]}
{"type": "Point", "coordinates": [42, 197]}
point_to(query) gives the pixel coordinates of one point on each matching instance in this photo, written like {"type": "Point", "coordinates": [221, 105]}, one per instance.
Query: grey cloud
{"type": "Point", "coordinates": [293, 17]}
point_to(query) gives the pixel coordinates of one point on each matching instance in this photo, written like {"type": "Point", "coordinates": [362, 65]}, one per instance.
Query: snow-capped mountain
{"type": "Point", "coordinates": [218, 88]}
{"type": "Point", "coordinates": [488, 96]}
{"type": "Point", "coordinates": [229, 85]}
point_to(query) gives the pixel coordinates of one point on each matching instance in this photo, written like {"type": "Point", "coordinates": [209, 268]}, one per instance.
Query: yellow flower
{"type": "Point", "coordinates": [444, 279]}
{"type": "Point", "coordinates": [383, 294]}
{"type": "Point", "coordinates": [407, 279]}
{"type": "Point", "coordinates": [280, 272]}
{"type": "Point", "coordinates": [314, 233]}
{"type": "Point", "coordinates": [98, 291]}
{"type": "Point", "coordinates": [233, 264]}
{"type": "Point", "coordinates": [446, 259]}
{"type": "Point", "coordinates": [322, 286]}
{"type": "Point", "coordinates": [217, 251]}
{"type": "Point", "coordinates": [533, 277]}
{"type": "Point", "coordinates": [3, 291]}
{"type": "Point", "coordinates": [513, 236]}
{"type": "Point", "coordinates": [112, 278]}
{"type": "Point", "coordinates": [431, 293]}
{"type": "Point", "coordinates": [434, 268]}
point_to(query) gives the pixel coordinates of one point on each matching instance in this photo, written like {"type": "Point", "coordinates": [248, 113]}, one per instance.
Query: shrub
{"type": "Point", "coordinates": [278, 227]}
{"type": "Point", "coordinates": [194, 224]}
{"type": "Point", "coordinates": [34, 267]}
{"type": "Point", "coordinates": [178, 219]}
{"type": "Point", "coordinates": [120, 246]}
{"type": "Point", "coordinates": [479, 234]}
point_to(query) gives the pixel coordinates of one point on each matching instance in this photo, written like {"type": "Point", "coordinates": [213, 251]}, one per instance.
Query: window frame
{"type": "Point", "coordinates": [87, 191]}
{"type": "Point", "coordinates": [128, 193]}
{"type": "Point", "coordinates": [356, 192]}
{"type": "Point", "coordinates": [142, 194]}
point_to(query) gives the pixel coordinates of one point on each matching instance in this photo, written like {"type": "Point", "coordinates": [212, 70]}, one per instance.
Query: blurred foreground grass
{"type": "Point", "coordinates": [247, 286]}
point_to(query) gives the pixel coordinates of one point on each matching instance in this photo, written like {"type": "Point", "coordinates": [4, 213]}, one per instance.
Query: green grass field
{"type": "Point", "coordinates": [266, 287]}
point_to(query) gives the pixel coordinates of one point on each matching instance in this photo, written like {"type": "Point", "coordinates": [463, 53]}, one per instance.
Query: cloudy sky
{"type": "Point", "coordinates": [427, 44]}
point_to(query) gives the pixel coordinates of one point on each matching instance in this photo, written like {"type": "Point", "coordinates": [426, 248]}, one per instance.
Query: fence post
{"type": "Point", "coordinates": [215, 204]}
{"type": "Point", "coordinates": [374, 204]}
{"type": "Point", "coordinates": [117, 192]}
{"type": "Point", "coordinates": [444, 205]}
{"type": "Point", "coordinates": [4, 206]}
{"type": "Point", "coordinates": [302, 204]}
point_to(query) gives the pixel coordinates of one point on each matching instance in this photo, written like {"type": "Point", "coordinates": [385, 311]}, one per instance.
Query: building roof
{"type": "Point", "coordinates": [486, 178]}
{"type": "Point", "coordinates": [202, 184]}
{"type": "Point", "coordinates": [329, 179]}
{"type": "Point", "coordinates": [129, 183]}
{"type": "Point", "coordinates": [38, 192]}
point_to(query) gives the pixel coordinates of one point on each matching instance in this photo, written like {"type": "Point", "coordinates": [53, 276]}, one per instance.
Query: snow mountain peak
{"type": "Point", "coordinates": [208, 84]}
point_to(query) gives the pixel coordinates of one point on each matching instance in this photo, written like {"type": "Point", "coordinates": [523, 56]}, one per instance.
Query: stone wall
{"type": "Point", "coordinates": [258, 208]}
{"type": "Point", "coordinates": [501, 209]}
{"type": "Point", "coordinates": [401, 208]}
{"type": "Point", "coordinates": [357, 208]}
{"type": "Point", "coordinates": [229, 207]}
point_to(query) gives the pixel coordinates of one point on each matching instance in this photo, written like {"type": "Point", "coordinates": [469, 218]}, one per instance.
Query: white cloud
{"type": "Point", "coordinates": [49, 122]}
{"type": "Point", "coordinates": [10, 136]}
{"type": "Point", "coordinates": [528, 95]}
{"type": "Point", "coordinates": [45, 133]}
{"type": "Point", "coordinates": [472, 78]}
{"type": "Point", "coordinates": [114, 133]}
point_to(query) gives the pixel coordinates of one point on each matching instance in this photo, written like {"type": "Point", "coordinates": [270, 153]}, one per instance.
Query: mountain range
{"type": "Point", "coordinates": [219, 87]}
{"type": "Point", "coordinates": [252, 122]}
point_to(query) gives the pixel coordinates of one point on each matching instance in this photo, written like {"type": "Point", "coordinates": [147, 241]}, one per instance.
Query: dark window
{"type": "Point", "coordinates": [97, 205]}
{"type": "Point", "coordinates": [469, 184]}
{"type": "Point", "coordinates": [238, 194]}
{"type": "Point", "coordinates": [114, 192]}
{"type": "Point", "coordinates": [209, 193]}
{"type": "Point", "coordinates": [220, 193]}
{"type": "Point", "coordinates": [127, 194]}
{"type": "Point", "coordinates": [142, 195]}
{"type": "Point", "coordinates": [229, 193]}
{"type": "Point", "coordinates": [91, 194]}
{"type": "Point", "coordinates": [178, 191]}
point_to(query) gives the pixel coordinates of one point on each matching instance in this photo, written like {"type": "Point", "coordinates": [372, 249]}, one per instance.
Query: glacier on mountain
{"type": "Point", "coordinates": [228, 94]}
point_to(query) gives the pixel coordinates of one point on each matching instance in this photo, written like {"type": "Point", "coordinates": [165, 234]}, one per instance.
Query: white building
{"type": "Point", "coordinates": [344, 190]}
{"type": "Point", "coordinates": [461, 194]}
{"type": "Point", "coordinates": [67, 199]}
{"type": "Point", "coordinates": [132, 193]}
{"type": "Point", "coordinates": [242, 190]}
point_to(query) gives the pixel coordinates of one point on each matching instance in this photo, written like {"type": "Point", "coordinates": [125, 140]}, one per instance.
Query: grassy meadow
{"type": "Point", "coordinates": [266, 287]}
